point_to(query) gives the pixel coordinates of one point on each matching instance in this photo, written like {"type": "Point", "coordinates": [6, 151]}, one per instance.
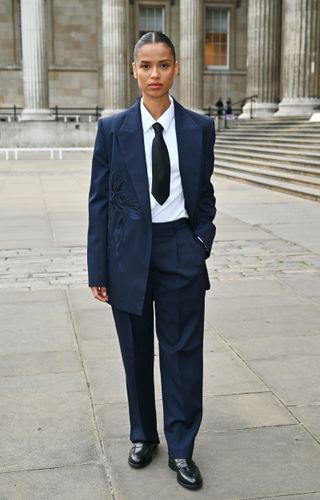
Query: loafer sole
{"type": "Point", "coordinates": [185, 485]}
{"type": "Point", "coordinates": [141, 465]}
{"type": "Point", "coordinates": [136, 465]}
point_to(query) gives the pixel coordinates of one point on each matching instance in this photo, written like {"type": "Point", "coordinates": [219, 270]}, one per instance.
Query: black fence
{"type": "Point", "coordinates": [59, 113]}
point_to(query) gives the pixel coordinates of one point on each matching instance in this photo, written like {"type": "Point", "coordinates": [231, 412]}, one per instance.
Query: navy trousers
{"type": "Point", "coordinates": [176, 290]}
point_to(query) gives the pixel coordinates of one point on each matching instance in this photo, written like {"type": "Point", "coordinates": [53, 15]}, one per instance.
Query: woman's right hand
{"type": "Point", "coordinates": [100, 293]}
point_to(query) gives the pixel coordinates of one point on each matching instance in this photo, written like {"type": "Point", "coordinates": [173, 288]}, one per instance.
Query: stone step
{"type": "Point", "coordinates": [277, 167]}
{"type": "Point", "coordinates": [288, 124]}
{"type": "Point", "coordinates": [276, 147]}
{"type": "Point", "coordinates": [254, 122]}
{"type": "Point", "coordinates": [289, 160]}
{"type": "Point", "coordinates": [295, 178]}
{"type": "Point", "coordinates": [270, 128]}
{"type": "Point", "coordinates": [267, 139]}
{"type": "Point", "coordinates": [271, 134]}
{"type": "Point", "coordinates": [285, 187]}
{"type": "Point", "coordinates": [275, 119]}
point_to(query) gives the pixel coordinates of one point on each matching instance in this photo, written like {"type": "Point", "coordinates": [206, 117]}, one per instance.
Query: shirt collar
{"type": "Point", "coordinates": [165, 119]}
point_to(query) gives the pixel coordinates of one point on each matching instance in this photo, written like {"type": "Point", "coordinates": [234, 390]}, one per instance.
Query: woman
{"type": "Point", "coordinates": [151, 207]}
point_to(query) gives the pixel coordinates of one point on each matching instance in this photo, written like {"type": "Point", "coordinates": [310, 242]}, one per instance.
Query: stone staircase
{"type": "Point", "coordinates": [277, 153]}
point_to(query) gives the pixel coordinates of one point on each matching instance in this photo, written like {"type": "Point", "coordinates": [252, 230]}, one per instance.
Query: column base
{"type": "Point", "coordinates": [36, 115]}
{"type": "Point", "coordinates": [198, 110]}
{"type": "Point", "coordinates": [315, 117]}
{"type": "Point", "coordinates": [110, 112]}
{"type": "Point", "coordinates": [297, 107]}
{"type": "Point", "coordinates": [259, 110]}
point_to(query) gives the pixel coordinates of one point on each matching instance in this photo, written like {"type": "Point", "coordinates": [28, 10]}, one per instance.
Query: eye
{"type": "Point", "coordinates": [165, 65]}
{"type": "Point", "coordinates": [144, 66]}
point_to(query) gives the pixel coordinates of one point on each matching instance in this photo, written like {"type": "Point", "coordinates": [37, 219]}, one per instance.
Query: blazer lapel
{"type": "Point", "coordinates": [131, 142]}
{"type": "Point", "coordinates": [189, 138]}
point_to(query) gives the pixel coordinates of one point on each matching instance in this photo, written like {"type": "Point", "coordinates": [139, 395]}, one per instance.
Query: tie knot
{"type": "Point", "coordinates": [157, 128]}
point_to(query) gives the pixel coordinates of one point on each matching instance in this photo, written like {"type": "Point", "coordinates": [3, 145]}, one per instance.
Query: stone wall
{"type": "Point", "coordinates": [10, 55]}
{"type": "Point", "coordinates": [7, 33]}
{"type": "Point", "coordinates": [75, 53]}
{"type": "Point", "coordinates": [230, 83]}
{"type": "Point", "coordinates": [11, 88]}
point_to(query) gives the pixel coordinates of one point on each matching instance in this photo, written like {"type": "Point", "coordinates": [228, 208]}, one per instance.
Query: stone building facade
{"type": "Point", "coordinates": [77, 53]}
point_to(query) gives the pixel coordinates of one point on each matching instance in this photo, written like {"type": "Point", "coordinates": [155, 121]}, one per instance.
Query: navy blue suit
{"type": "Point", "coordinates": [142, 263]}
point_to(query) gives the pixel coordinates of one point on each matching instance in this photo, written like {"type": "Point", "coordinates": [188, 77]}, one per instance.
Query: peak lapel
{"type": "Point", "coordinates": [131, 142]}
{"type": "Point", "coordinates": [189, 138]}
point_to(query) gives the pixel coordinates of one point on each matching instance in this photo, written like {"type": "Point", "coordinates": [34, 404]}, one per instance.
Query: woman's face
{"type": "Point", "coordinates": [155, 69]}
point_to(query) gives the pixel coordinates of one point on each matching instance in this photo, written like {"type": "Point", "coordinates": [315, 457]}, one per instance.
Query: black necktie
{"type": "Point", "coordinates": [160, 166]}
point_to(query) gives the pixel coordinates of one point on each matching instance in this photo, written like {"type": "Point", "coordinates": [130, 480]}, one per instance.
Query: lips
{"type": "Point", "coordinates": [155, 85]}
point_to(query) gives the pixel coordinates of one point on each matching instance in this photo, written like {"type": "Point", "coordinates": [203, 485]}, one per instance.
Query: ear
{"type": "Point", "coordinates": [176, 68]}
{"type": "Point", "coordinates": [134, 69]}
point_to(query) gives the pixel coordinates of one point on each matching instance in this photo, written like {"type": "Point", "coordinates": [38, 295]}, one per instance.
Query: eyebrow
{"type": "Point", "coordinates": [163, 60]}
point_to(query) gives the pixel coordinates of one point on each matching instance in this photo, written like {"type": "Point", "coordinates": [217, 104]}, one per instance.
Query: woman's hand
{"type": "Point", "coordinates": [100, 293]}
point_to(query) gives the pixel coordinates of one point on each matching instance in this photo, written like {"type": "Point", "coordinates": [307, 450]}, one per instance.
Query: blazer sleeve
{"type": "Point", "coordinates": [206, 229]}
{"type": "Point", "coordinates": [97, 248]}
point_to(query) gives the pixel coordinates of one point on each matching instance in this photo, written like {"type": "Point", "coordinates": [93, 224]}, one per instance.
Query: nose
{"type": "Point", "coordinates": [155, 72]}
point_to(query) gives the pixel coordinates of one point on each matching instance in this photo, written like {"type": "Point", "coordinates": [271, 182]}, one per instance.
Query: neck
{"type": "Point", "coordinates": [156, 107]}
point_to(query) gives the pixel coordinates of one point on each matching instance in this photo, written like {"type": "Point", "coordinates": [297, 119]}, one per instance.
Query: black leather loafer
{"type": "Point", "coordinates": [188, 474]}
{"type": "Point", "coordinates": [141, 454]}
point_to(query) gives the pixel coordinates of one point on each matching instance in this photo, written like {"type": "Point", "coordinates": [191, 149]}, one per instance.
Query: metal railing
{"type": "Point", "coordinates": [75, 114]}
{"type": "Point", "coordinates": [244, 100]}
{"type": "Point", "coordinates": [54, 152]}
{"type": "Point", "coordinates": [223, 113]}
{"type": "Point", "coordinates": [10, 114]}
{"type": "Point", "coordinates": [59, 113]}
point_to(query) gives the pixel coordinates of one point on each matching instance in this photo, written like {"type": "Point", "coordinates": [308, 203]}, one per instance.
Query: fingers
{"type": "Point", "coordinates": [100, 293]}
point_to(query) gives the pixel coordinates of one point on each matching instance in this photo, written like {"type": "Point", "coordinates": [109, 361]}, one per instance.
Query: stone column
{"type": "Point", "coordinates": [114, 46]}
{"type": "Point", "coordinates": [300, 66]}
{"type": "Point", "coordinates": [263, 66]}
{"type": "Point", "coordinates": [35, 65]}
{"type": "Point", "coordinates": [191, 54]}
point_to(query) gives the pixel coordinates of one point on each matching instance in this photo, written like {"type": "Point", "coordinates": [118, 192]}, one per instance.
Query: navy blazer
{"type": "Point", "coordinates": [120, 230]}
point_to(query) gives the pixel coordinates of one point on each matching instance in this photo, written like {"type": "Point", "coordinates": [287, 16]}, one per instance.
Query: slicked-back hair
{"type": "Point", "coordinates": [153, 37]}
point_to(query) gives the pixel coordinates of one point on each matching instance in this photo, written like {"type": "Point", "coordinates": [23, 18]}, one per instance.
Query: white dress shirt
{"type": "Point", "coordinates": [174, 207]}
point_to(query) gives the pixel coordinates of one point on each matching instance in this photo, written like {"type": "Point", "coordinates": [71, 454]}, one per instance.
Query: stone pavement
{"type": "Point", "coordinates": [63, 415]}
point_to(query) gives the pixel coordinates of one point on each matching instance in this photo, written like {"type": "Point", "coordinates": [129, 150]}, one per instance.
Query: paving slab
{"type": "Point", "coordinates": [234, 192]}
{"type": "Point", "coordinates": [32, 326]}
{"type": "Point", "coordinates": [253, 288]}
{"type": "Point", "coordinates": [239, 464]}
{"type": "Point", "coordinates": [303, 496]}
{"type": "Point", "coordinates": [305, 286]}
{"type": "Point", "coordinates": [107, 380]}
{"type": "Point", "coordinates": [223, 218]}
{"type": "Point", "coordinates": [291, 378]}
{"type": "Point", "coordinates": [60, 483]}
{"type": "Point", "coordinates": [272, 213]}
{"type": "Point", "coordinates": [241, 231]}
{"type": "Point", "coordinates": [226, 373]}
{"type": "Point", "coordinates": [240, 308]}
{"type": "Point", "coordinates": [309, 416]}
{"type": "Point", "coordinates": [46, 421]}
{"type": "Point", "coordinates": [33, 363]}
{"type": "Point", "coordinates": [94, 324]}
{"type": "Point", "coordinates": [265, 321]}
{"type": "Point", "coordinates": [104, 347]}
{"type": "Point", "coordinates": [113, 422]}
{"type": "Point", "coordinates": [243, 411]}
{"type": "Point", "coordinates": [18, 297]}
{"type": "Point", "coordinates": [276, 346]}
{"type": "Point", "coordinates": [266, 461]}
{"type": "Point", "coordinates": [306, 235]}
{"type": "Point", "coordinates": [212, 342]}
